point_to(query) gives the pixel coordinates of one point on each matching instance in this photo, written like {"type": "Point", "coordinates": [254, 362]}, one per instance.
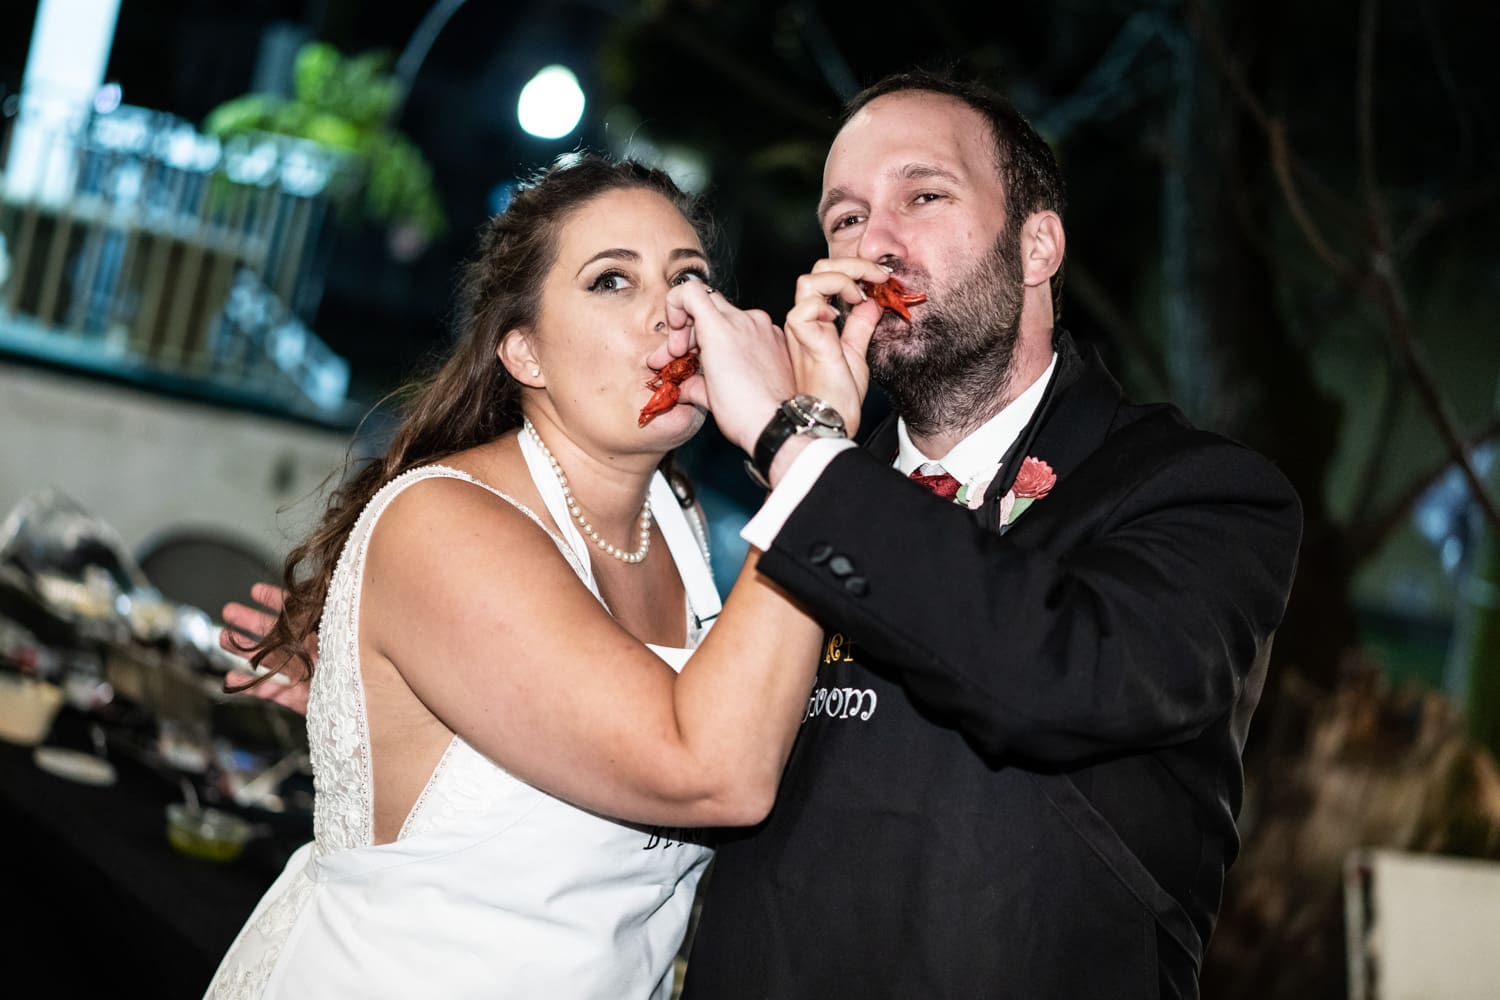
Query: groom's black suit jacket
{"type": "Point", "coordinates": [1020, 769]}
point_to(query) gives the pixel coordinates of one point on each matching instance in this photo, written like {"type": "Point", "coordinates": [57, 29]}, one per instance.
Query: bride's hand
{"type": "Point", "coordinates": [746, 371]}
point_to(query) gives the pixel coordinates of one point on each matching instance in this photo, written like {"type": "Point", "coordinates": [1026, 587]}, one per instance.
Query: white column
{"type": "Point", "coordinates": [64, 70]}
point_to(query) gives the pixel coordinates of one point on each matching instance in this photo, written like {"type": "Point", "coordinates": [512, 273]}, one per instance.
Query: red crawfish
{"type": "Point", "coordinates": [891, 296]}
{"type": "Point", "coordinates": [666, 382]}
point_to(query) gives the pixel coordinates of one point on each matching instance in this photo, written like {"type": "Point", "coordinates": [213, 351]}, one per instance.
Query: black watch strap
{"type": "Point", "coordinates": [802, 414]}
{"type": "Point", "coordinates": [780, 427]}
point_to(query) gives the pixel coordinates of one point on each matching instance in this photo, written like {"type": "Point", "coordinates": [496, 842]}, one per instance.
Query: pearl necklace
{"type": "Point", "coordinates": [583, 523]}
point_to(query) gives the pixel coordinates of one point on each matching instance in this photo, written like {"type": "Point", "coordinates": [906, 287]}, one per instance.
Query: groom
{"type": "Point", "coordinates": [1020, 768]}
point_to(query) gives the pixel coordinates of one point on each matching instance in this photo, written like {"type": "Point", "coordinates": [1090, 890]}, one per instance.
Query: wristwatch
{"type": "Point", "coordinates": [802, 414]}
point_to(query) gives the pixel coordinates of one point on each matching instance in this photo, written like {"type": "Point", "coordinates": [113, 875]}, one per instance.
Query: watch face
{"type": "Point", "coordinates": [818, 413]}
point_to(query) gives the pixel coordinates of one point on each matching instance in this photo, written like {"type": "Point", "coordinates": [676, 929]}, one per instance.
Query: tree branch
{"type": "Point", "coordinates": [1438, 406]}
{"type": "Point", "coordinates": [1209, 34]}
{"type": "Point", "coordinates": [1281, 168]}
{"type": "Point", "coordinates": [1282, 164]}
{"type": "Point", "coordinates": [1369, 480]}
{"type": "Point", "coordinates": [1387, 290]}
{"type": "Point", "coordinates": [1438, 212]}
{"type": "Point", "coordinates": [1364, 539]}
{"type": "Point", "coordinates": [1383, 288]}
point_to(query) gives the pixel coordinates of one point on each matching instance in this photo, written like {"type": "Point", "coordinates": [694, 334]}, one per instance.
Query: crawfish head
{"type": "Point", "coordinates": [676, 371]}
{"type": "Point", "coordinates": [891, 296]}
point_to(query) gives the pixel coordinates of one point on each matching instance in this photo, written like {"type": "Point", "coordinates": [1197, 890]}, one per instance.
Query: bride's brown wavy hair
{"type": "Point", "coordinates": [469, 398]}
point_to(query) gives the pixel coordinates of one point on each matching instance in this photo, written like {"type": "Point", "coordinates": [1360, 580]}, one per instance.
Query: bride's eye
{"type": "Point", "coordinates": [610, 281]}
{"type": "Point", "coordinates": [691, 274]}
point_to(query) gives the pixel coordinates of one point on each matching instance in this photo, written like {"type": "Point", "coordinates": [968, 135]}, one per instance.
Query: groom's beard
{"type": "Point", "coordinates": [950, 372]}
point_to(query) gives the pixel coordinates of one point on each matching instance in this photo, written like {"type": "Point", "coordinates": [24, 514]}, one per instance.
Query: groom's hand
{"type": "Point", "coordinates": [830, 362]}
{"type": "Point", "coordinates": [245, 627]}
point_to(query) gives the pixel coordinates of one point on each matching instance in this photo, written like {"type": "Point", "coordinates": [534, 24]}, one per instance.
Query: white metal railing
{"type": "Point", "coordinates": [128, 234]}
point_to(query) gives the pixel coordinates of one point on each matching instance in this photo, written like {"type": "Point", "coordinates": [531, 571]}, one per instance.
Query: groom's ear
{"type": "Point", "coordinates": [1043, 243]}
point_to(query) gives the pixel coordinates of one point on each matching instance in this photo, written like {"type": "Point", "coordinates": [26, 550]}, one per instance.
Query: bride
{"type": "Point", "coordinates": [509, 765]}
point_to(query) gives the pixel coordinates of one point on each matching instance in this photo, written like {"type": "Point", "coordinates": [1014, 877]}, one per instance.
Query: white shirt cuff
{"type": "Point", "coordinates": [762, 529]}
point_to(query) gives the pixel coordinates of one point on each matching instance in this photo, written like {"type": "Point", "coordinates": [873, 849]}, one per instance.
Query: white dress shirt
{"type": "Point", "coordinates": [973, 455]}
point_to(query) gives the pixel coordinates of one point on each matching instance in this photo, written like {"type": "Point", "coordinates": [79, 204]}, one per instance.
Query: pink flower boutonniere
{"type": "Point", "coordinates": [1034, 481]}
{"type": "Point", "coordinates": [971, 494]}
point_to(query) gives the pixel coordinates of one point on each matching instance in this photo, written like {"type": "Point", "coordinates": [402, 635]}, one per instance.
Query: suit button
{"type": "Point", "coordinates": [819, 553]}
{"type": "Point", "coordinates": [857, 585]}
{"type": "Point", "coordinates": [840, 566]}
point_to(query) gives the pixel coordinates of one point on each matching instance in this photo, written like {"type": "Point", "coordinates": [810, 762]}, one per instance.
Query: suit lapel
{"type": "Point", "coordinates": [1070, 423]}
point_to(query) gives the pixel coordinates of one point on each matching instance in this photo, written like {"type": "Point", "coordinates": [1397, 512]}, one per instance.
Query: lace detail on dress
{"type": "Point", "coordinates": [337, 725]}
{"type": "Point", "coordinates": [269, 929]}
{"type": "Point", "coordinates": [281, 914]}
{"type": "Point", "coordinates": [452, 847]}
{"type": "Point", "coordinates": [241, 983]}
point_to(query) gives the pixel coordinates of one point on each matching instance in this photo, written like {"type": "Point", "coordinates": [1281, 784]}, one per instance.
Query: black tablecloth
{"type": "Point", "coordinates": [95, 902]}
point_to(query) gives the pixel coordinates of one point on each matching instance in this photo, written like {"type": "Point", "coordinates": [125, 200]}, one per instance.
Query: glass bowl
{"type": "Point", "coordinates": [207, 833]}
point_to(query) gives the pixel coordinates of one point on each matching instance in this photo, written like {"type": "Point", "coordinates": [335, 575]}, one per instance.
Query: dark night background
{"type": "Point", "coordinates": [1282, 216]}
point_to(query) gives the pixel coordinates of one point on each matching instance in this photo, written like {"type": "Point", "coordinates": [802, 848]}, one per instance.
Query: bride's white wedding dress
{"type": "Point", "coordinates": [492, 888]}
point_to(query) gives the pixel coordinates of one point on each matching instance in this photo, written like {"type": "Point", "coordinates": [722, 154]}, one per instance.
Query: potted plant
{"type": "Point", "coordinates": [347, 105]}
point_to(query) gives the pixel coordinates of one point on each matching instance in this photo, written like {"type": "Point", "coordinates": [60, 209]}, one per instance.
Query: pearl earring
{"type": "Point", "coordinates": [536, 373]}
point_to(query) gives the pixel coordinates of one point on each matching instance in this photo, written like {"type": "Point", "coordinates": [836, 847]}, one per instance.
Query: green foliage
{"type": "Point", "coordinates": [346, 105]}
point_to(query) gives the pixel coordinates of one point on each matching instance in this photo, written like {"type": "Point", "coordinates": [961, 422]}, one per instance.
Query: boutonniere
{"type": "Point", "coordinates": [971, 494]}
{"type": "Point", "coordinates": [1034, 481]}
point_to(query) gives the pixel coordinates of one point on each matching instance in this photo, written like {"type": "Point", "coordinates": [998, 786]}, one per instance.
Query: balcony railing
{"type": "Point", "coordinates": [131, 243]}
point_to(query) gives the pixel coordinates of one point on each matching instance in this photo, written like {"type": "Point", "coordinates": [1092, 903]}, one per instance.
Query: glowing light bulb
{"type": "Point", "coordinates": [551, 103]}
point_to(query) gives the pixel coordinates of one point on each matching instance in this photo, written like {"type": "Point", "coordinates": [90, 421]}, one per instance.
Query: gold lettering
{"type": "Point", "coordinates": [834, 651]}
{"type": "Point", "coordinates": [838, 649]}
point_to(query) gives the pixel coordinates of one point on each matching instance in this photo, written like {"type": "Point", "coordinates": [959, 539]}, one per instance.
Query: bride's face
{"type": "Point", "coordinates": [603, 311]}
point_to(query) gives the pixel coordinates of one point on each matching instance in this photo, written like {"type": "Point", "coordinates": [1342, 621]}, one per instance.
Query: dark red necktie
{"type": "Point", "coordinates": [942, 484]}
